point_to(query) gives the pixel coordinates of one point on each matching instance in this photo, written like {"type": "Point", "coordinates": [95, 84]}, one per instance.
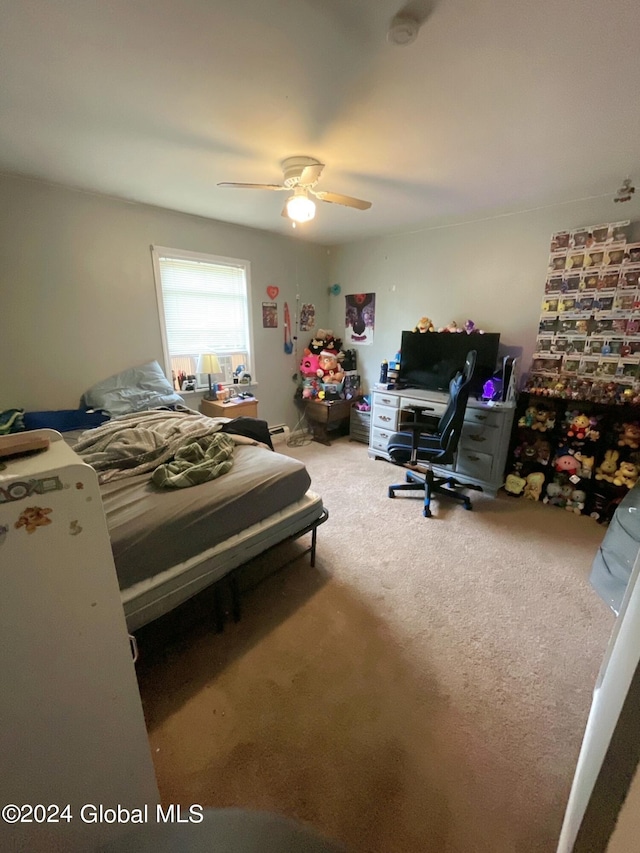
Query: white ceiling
{"type": "Point", "coordinates": [497, 105]}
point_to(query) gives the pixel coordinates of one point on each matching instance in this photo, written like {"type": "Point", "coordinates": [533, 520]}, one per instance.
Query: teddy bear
{"type": "Point", "coordinates": [626, 475]}
{"type": "Point", "coordinates": [630, 436]}
{"type": "Point", "coordinates": [533, 488]}
{"type": "Point", "coordinates": [608, 467]}
{"type": "Point", "coordinates": [329, 369]}
{"type": "Point", "coordinates": [424, 325]}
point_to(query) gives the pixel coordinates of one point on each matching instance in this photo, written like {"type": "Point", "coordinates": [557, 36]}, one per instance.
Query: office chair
{"type": "Point", "coordinates": [419, 442]}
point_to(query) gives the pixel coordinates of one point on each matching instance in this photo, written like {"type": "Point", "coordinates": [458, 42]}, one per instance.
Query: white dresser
{"type": "Point", "coordinates": [484, 444]}
{"type": "Point", "coordinates": [72, 730]}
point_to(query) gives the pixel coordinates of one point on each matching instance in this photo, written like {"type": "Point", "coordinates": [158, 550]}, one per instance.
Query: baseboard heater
{"type": "Point", "coordinates": [279, 433]}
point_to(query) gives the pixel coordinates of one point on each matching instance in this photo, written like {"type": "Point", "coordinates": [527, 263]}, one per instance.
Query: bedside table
{"type": "Point", "coordinates": [233, 409]}
{"type": "Point", "coordinates": [327, 416]}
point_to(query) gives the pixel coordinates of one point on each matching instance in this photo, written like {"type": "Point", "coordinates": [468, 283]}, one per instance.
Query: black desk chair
{"type": "Point", "coordinates": [419, 442]}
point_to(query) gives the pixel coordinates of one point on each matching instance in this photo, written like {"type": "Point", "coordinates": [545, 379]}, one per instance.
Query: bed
{"type": "Point", "coordinates": [170, 538]}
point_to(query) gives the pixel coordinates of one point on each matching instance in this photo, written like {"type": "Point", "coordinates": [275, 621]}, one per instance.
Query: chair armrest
{"type": "Point", "coordinates": [418, 426]}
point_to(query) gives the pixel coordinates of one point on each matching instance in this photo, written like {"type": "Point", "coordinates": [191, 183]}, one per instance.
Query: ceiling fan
{"type": "Point", "coordinates": [301, 174]}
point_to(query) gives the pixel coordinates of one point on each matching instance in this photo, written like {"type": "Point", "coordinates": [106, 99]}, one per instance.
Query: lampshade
{"type": "Point", "coordinates": [208, 363]}
{"type": "Point", "coordinates": [300, 207]}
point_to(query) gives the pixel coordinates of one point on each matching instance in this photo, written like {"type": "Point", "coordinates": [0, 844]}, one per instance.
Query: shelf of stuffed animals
{"type": "Point", "coordinates": [582, 457]}
{"type": "Point", "coordinates": [588, 341]}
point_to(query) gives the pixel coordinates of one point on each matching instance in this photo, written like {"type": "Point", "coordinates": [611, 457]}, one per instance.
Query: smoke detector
{"type": "Point", "coordinates": [403, 30]}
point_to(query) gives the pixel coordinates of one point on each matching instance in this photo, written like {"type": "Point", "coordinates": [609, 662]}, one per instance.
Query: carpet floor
{"type": "Point", "coordinates": [424, 689]}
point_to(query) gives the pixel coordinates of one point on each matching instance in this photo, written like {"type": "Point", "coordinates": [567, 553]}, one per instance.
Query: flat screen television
{"type": "Point", "coordinates": [429, 360]}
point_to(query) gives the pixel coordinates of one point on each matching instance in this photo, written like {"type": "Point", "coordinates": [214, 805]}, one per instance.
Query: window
{"type": "Point", "coordinates": [203, 303]}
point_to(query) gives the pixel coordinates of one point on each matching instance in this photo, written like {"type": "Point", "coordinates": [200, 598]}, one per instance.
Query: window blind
{"type": "Point", "coordinates": [205, 306]}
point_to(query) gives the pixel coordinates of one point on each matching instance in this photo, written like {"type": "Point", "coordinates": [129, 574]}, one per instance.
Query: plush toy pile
{"type": "Point", "coordinates": [321, 366]}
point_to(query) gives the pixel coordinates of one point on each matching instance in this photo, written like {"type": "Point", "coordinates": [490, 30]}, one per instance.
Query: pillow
{"type": "Point", "coordinates": [133, 390]}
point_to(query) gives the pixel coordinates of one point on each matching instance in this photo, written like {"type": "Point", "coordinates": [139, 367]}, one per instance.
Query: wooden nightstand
{"type": "Point", "coordinates": [232, 409]}
{"type": "Point", "coordinates": [327, 416]}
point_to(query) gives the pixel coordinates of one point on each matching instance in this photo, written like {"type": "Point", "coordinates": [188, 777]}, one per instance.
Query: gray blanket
{"type": "Point", "coordinates": [140, 442]}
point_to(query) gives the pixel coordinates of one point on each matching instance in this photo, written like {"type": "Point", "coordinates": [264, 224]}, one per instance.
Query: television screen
{"type": "Point", "coordinates": [430, 360]}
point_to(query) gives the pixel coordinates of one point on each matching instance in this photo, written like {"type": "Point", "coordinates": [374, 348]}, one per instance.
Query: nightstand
{"type": "Point", "coordinates": [231, 409]}
{"type": "Point", "coordinates": [327, 416]}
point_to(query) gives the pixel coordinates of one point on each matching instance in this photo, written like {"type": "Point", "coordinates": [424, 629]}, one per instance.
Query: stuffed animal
{"type": "Point", "coordinates": [329, 369]}
{"type": "Point", "coordinates": [309, 364]}
{"type": "Point", "coordinates": [586, 465]}
{"type": "Point", "coordinates": [579, 426]}
{"type": "Point", "coordinates": [533, 488]}
{"type": "Point", "coordinates": [576, 501]}
{"type": "Point", "coordinates": [566, 463]}
{"type": "Point", "coordinates": [514, 484]}
{"type": "Point", "coordinates": [608, 467]}
{"type": "Point", "coordinates": [544, 420]}
{"type": "Point", "coordinates": [424, 325]}
{"type": "Point", "coordinates": [543, 451]}
{"type": "Point", "coordinates": [529, 417]}
{"type": "Point", "coordinates": [553, 494]}
{"type": "Point", "coordinates": [626, 475]}
{"type": "Point", "coordinates": [452, 327]}
{"type": "Point", "coordinates": [630, 436]}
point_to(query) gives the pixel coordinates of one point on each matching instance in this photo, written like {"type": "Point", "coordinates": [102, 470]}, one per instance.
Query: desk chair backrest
{"type": "Point", "coordinates": [450, 424]}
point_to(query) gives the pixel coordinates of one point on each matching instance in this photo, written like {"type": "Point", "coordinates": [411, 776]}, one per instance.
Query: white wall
{"type": "Point", "coordinates": [491, 271]}
{"type": "Point", "coordinates": [78, 299]}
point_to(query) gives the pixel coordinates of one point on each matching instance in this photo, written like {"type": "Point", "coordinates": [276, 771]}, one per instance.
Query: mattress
{"type": "Point", "coordinates": [151, 598]}
{"type": "Point", "coordinates": [154, 529]}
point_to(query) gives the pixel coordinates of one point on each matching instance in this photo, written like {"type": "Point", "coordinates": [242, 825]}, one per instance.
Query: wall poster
{"type": "Point", "coordinates": [360, 315]}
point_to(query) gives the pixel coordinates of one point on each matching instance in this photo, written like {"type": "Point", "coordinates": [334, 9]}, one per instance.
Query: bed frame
{"type": "Point", "coordinates": [148, 600]}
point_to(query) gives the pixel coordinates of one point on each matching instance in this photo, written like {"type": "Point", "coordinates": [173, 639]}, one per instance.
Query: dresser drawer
{"type": "Point", "coordinates": [479, 438]}
{"type": "Point", "coordinates": [472, 464]}
{"type": "Point", "coordinates": [382, 399]}
{"type": "Point", "coordinates": [484, 416]}
{"type": "Point", "coordinates": [380, 439]}
{"type": "Point", "coordinates": [384, 417]}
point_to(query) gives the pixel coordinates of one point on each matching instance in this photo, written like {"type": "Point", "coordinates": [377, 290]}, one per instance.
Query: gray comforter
{"type": "Point", "coordinates": [141, 442]}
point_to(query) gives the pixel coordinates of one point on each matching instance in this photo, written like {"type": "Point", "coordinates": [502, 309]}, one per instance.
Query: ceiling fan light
{"type": "Point", "coordinates": [300, 208]}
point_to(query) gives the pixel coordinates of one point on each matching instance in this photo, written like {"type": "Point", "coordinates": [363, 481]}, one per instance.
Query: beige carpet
{"type": "Point", "coordinates": [423, 690]}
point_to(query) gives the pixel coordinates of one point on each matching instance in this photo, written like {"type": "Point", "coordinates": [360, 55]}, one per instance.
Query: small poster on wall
{"type": "Point", "coordinates": [270, 315]}
{"type": "Point", "coordinates": [360, 315]}
{"type": "Point", "coordinates": [307, 317]}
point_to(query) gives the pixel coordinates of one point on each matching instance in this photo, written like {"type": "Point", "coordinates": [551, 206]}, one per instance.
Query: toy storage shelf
{"type": "Point", "coordinates": [588, 467]}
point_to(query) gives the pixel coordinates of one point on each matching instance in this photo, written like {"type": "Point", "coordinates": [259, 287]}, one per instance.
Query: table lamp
{"type": "Point", "coordinates": [208, 363]}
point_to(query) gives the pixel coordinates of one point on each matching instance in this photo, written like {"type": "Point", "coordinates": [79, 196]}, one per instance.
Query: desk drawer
{"type": "Point", "coordinates": [384, 418]}
{"type": "Point", "coordinates": [382, 399]}
{"type": "Point", "coordinates": [479, 438]}
{"type": "Point", "coordinates": [486, 417]}
{"type": "Point", "coordinates": [380, 439]}
{"type": "Point", "coordinates": [472, 464]}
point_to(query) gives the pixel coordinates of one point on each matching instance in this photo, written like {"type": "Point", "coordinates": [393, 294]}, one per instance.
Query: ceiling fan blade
{"type": "Point", "coordinates": [253, 186]}
{"type": "Point", "coordinates": [310, 174]}
{"type": "Point", "coordinates": [346, 200]}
